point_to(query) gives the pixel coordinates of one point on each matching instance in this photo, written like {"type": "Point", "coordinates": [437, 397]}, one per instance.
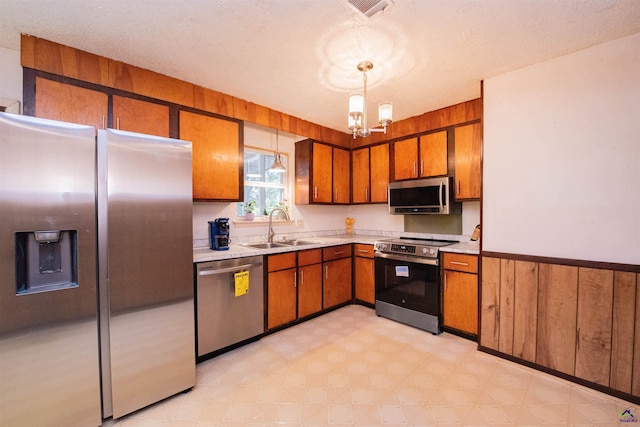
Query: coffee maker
{"type": "Point", "coordinates": [219, 234]}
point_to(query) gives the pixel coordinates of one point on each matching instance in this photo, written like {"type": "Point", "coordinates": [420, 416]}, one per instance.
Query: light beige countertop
{"type": "Point", "coordinates": [203, 254]}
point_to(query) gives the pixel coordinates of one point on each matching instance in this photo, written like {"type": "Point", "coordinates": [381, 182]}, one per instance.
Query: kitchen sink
{"type": "Point", "coordinates": [264, 245]}
{"type": "Point", "coordinates": [297, 242]}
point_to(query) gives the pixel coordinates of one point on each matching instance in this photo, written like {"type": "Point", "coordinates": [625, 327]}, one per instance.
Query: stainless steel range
{"type": "Point", "coordinates": [408, 282]}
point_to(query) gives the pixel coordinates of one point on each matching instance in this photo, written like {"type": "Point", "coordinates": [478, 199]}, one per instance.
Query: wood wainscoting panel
{"type": "Point", "coordinates": [507, 292]}
{"type": "Point", "coordinates": [624, 309]}
{"type": "Point", "coordinates": [525, 313]}
{"type": "Point", "coordinates": [635, 381]}
{"type": "Point", "coordinates": [557, 309]}
{"type": "Point", "coordinates": [595, 306]}
{"type": "Point", "coordinates": [490, 303]}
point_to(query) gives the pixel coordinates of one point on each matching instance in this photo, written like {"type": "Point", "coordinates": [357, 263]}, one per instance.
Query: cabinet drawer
{"type": "Point", "coordinates": [310, 256]}
{"type": "Point", "coordinates": [336, 252]}
{"type": "Point", "coordinates": [281, 261]}
{"type": "Point", "coordinates": [362, 250]}
{"type": "Point", "coordinates": [460, 262]}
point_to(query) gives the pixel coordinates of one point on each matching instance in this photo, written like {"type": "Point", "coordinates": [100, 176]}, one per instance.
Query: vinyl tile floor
{"type": "Point", "coordinates": [352, 368]}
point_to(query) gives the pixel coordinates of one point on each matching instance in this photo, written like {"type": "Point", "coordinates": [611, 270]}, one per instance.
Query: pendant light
{"type": "Point", "coordinates": [358, 109]}
{"type": "Point", "coordinates": [277, 165]}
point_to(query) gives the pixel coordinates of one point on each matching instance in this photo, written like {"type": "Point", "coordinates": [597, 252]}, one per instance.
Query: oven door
{"type": "Point", "coordinates": [411, 283]}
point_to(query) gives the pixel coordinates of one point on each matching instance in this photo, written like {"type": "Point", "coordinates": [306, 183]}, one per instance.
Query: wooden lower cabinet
{"type": "Point", "coordinates": [281, 289]}
{"type": "Point", "coordinates": [364, 274]}
{"type": "Point", "coordinates": [309, 290]}
{"type": "Point", "coordinates": [577, 320]}
{"type": "Point", "coordinates": [309, 282]}
{"type": "Point", "coordinates": [337, 279]}
{"type": "Point", "coordinates": [460, 294]}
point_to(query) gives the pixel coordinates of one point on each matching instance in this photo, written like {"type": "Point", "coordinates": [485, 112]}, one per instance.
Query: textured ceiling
{"type": "Point", "coordinates": [300, 56]}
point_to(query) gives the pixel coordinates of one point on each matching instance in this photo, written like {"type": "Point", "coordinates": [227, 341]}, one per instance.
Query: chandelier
{"type": "Point", "coordinates": [358, 109]}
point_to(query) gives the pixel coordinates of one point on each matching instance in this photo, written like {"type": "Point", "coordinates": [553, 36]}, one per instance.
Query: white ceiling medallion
{"type": "Point", "coordinates": [370, 7]}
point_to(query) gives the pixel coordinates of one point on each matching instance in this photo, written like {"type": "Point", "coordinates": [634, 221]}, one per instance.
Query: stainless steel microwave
{"type": "Point", "coordinates": [422, 197]}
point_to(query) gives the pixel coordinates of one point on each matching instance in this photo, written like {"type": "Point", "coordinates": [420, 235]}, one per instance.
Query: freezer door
{"type": "Point", "coordinates": [49, 362]}
{"type": "Point", "coordinates": [150, 268]}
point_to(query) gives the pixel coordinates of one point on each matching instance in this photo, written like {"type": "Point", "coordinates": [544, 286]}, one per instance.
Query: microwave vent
{"type": "Point", "coordinates": [370, 7]}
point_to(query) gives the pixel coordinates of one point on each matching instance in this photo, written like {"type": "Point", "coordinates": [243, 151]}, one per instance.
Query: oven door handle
{"type": "Point", "coordinates": [415, 260]}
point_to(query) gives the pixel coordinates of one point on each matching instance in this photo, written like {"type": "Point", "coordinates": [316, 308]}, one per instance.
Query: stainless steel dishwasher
{"type": "Point", "coordinates": [224, 319]}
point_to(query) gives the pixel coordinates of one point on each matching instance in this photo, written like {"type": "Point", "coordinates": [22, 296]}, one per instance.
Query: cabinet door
{"type": "Point", "coordinates": [69, 103]}
{"type": "Point", "coordinates": [405, 159]}
{"type": "Point", "coordinates": [341, 176]}
{"type": "Point", "coordinates": [364, 280]}
{"type": "Point", "coordinates": [460, 305]}
{"type": "Point", "coordinates": [322, 173]}
{"type": "Point", "coordinates": [468, 141]}
{"type": "Point", "coordinates": [361, 191]}
{"type": "Point", "coordinates": [281, 297]}
{"type": "Point", "coordinates": [433, 154]}
{"type": "Point", "coordinates": [309, 290]}
{"type": "Point", "coordinates": [379, 155]}
{"type": "Point", "coordinates": [337, 282]}
{"type": "Point", "coordinates": [217, 156]}
{"type": "Point", "coordinates": [135, 115]}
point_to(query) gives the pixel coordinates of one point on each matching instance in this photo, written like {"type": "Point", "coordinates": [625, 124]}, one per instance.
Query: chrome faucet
{"type": "Point", "coordinates": [271, 232]}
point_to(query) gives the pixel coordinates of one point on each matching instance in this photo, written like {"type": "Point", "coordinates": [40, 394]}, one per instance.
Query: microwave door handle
{"type": "Point", "coordinates": [440, 196]}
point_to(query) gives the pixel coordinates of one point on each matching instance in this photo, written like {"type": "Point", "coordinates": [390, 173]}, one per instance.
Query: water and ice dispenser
{"type": "Point", "coordinates": [46, 260]}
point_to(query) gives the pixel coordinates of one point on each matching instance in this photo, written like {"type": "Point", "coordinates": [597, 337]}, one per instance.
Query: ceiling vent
{"type": "Point", "coordinates": [370, 7]}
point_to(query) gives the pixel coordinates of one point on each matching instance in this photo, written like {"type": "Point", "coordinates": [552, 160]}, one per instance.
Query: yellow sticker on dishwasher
{"type": "Point", "coordinates": [242, 283]}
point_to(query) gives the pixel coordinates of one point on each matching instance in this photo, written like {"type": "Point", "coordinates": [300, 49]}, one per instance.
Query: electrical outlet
{"type": "Point", "coordinates": [300, 222]}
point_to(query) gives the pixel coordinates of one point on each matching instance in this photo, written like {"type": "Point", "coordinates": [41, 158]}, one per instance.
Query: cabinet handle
{"type": "Point", "coordinates": [415, 172]}
{"type": "Point", "coordinates": [364, 251]}
{"type": "Point", "coordinates": [301, 277]}
{"type": "Point", "coordinates": [371, 265]}
{"type": "Point", "coordinates": [466, 264]}
{"type": "Point", "coordinates": [315, 192]}
{"type": "Point", "coordinates": [104, 125]}
{"type": "Point", "coordinates": [295, 279]}
{"type": "Point", "coordinates": [336, 196]}
{"type": "Point", "coordinates": [366, 194]}
{"type": "Point", "coordinates": [458, 188]}
{"type": "Point", "coordinates": [445, 280]}
{"type": "Point", "coordinates": [339, 253]}
{"type": "Point", "coordinates": [118, 123]}
{"type": "Point", "coordinates": [421, 167]}
{"type": "Point", "coordinates": [326, 272]}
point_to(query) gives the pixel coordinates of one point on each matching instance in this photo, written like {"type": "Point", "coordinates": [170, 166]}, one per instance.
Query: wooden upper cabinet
{"type": "Point", "coordinates": [361, 175]}
{"type": "Point", "coordinates": [433, 154]}
{"type": "Point", "coordinates": [135, 115]}
{"type": "Point", "coordinates": [69, 103]}
{"type": "Point", "coordinates": [323, 173]}
{"type": "Point", "coordinates": [468, 150]}
{"type": "Point", "coordinates": [217, 156]}
{"type": "Point", "coordinates": [405, 159]}
{"type": "Point", "coordinates": [341, 176]}
{"type": "Point", "coordinates": [379, 161]}
{"type": "Point", "coordinates": [322, 170]}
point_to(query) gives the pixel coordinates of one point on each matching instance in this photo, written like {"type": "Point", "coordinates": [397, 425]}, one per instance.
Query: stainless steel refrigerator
{"type": "Point", "coordinates": [96, 273]}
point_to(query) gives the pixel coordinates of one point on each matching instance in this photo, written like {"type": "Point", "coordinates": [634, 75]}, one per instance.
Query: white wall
{"type": "Point", "coordinates": [562, 156]}
{"type": "Point", "coordinates": [10, 75]}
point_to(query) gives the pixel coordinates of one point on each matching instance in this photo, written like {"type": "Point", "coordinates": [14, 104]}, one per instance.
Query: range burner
{"type": "Point", "coordinates": [424, 248]}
